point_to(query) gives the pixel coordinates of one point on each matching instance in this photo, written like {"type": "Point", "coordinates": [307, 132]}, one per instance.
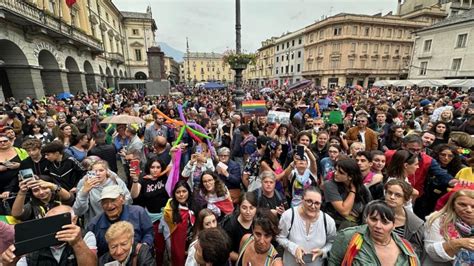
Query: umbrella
{"type": "Point", "coordinates": [122, 119]}
{"type": "Point", "coordinates": [301, 84]}
{"type": "Point", "coordinates": [357, 87]}
{"type": "Point", "coordinates": [65, 95]}
{"type": "Point", "coordinates": [266, 90]}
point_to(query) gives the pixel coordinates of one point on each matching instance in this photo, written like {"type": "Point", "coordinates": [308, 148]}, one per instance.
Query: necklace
{"type": "Point", "coordinates": [384, 245]}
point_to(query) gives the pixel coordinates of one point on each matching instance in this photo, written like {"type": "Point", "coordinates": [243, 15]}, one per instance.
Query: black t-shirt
{"type": "Point", "coordinates": [153, 195]}
{"type": "Point", "coordinates": [270, 203]}
{"type": "Point", "coordinates": [235, 231]}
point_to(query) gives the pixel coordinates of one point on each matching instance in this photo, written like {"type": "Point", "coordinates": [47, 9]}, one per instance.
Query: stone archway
{"type": "Point", "coordinates": [109, 78]}
{"type": "Point", "coordinates": [91, 84]}
{"type": "Point", "coordinates": [121, 74]}
{"type": "Point", "coordinates": [50, 73]}
{"type": "Point", "coordinates": [16, 75]}
{"type": "Point", "coordinates": [140, 75]}
{"type": "Point", "coordinates": [74, 76]}
{"type": "Point", "coordinates": [103, 82]}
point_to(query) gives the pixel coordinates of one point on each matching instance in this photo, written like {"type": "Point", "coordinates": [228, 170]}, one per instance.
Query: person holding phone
{"type": "Point", "coordinates": [306, 232]}
{"type": "Point", "coordinates": [304, 173]}
{"type": "Point", "coordinates": [43, 197]}
{"type": "Point", "coordinates": [200, 162]}
{"type": "Point", "coordinates": [229, 172]}
{"type": "Point", "coordinates": [77, 249]}
{"type": "Point", "coordinates": [90, 188]}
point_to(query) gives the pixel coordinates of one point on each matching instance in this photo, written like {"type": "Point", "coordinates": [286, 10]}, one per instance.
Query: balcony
{"type": "Point", "coordinates": [116, 58]}
{"type": "Point", "coordinates": [35, 21]}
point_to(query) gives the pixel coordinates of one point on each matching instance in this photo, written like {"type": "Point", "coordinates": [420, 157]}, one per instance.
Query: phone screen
{"type": "Point", "coordinates": [300, 151]}
{"type": "Point", "coordinates": [308, 258]}
{"type": "Point", "coordinates": [25, 174]}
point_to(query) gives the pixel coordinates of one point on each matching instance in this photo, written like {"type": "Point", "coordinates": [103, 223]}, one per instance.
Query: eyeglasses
{"type": "Point", "coordinates": [4, 141]}
{"type": "Point", "coordinates": [208, 181]}
{"type": "Point", "coordinates": [312, 203]}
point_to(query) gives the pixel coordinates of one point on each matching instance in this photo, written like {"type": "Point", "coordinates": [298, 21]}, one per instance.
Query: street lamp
{"type": "Point", "coordinates": [239, 93]}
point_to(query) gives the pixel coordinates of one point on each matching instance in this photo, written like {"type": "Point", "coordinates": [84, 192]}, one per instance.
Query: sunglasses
{"type": "Point", "coordinates": [4, 141]}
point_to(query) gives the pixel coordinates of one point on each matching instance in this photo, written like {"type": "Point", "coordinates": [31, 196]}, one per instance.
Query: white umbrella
{"type": "Point", "coordinates": [266, 90]}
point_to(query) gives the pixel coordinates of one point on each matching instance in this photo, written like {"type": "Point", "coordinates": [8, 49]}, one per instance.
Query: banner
{"type": "Point", "coordinates": [278, 117]}
{"type": "Point", "coordinates": [256, 107]}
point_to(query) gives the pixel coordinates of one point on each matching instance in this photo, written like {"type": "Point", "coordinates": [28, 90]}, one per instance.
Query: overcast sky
{"type": "Point", "coordinates": [210, 24]}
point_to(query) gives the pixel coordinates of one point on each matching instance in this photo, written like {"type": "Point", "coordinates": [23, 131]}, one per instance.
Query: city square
{"type": "Point", "coordinates": [236, 132]}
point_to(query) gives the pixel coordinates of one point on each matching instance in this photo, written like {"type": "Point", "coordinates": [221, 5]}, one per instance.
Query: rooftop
{"type": "Point", "coordinates": [456, 19]}
{"type": "Point", "coordinates": [127, 14]}
{"type": "Point", "coordinates": [203, 55]}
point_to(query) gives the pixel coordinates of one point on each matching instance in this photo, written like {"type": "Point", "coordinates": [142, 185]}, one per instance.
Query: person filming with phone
{"type": "Point", "coordinates": [44, 196]}
{"type": "Point", "coordinates": [77, 247]}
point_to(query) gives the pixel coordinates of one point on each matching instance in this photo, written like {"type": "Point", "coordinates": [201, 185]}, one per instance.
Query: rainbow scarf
{"type": "Point", "coordinates": [356, 244]}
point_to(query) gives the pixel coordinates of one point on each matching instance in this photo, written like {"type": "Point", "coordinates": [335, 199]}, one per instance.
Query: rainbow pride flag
{"type": "Point", "coordinates": [255, 107]}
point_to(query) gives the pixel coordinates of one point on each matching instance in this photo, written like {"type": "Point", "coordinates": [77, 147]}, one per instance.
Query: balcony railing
{"type": "Point", "coordinates": [24, 13]}
{"type": "Point", "coordinates": [116, 57]}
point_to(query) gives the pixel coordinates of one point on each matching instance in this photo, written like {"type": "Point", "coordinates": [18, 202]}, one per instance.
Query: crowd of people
{"type": "Point", "coordinates": [380, 176]}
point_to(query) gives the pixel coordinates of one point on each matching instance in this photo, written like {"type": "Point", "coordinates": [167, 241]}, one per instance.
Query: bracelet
{"type": "Point", "coordinates": [352, 192]}
{"type": "Point", "coordinates": [58, 189]}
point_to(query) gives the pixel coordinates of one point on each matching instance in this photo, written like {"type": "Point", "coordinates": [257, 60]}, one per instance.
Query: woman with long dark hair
{"type": "Point", "coordinates": [205, 219]}
{"type": "Point", "coordinates": [270, 161]}
{"type": "Point", "coordinates": [215, 194]}
{"type": "Point", "coordinates": [149, 191]}
{"type": "Point", "coordinates": [178, 221]}
{"type": "Point", "coordinates": [346, 195]}
{"type": "Point", "coordinates": [448, 158]}
{"type": "Point", "coordinates": [442, 131]}
{"type": "Point", "coordinates": [282, 135]}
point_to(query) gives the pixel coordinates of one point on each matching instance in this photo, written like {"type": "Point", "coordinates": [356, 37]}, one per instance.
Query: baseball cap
{"type": "Point", "coordinates": [111, 192]}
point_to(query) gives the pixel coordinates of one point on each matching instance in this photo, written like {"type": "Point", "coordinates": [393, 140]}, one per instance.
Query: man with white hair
{"type": "Point", "coordinates": [78, 249]}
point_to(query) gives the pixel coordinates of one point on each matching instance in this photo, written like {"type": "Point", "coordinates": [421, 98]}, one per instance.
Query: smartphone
{"type": "Point", "coordinates": [222, 165]}
{"type": "Point", "coordinates": [90, 174]}
{"type": "Point", "coordinates": [300, 151]}
{"type": "Point", "coordinates": [135, 166]}
{"type": "Point", "coordinates": [308, 258]}
{"type": "Point", "coordinates": [198, 149]}
{"type": "Point", "coordinates": [25, 174]}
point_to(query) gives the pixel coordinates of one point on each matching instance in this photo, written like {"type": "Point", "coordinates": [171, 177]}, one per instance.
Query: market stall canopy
{"type": "Point", "coordinates": [213, 86]}
{"type": "Point", "coordinates": [300, 85]}
{"type": "Point", "coordinates": [462, 83]}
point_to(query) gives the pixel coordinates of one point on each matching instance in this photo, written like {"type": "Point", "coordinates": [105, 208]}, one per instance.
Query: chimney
{"type": "Point", "coordinates": [399, 7]}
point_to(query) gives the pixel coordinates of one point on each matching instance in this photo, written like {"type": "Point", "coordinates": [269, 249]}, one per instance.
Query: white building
{"type": "Point", "coordinates": [445, 50]}
{"type": "Point", "coordinates": [289, 57]}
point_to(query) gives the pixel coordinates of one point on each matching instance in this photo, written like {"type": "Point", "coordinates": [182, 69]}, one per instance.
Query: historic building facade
{"type": "Point", "coordinates": [47, 47]}
{"type": "Point", "coordinates": [349, 49]}
{"type": "Point", "coordinates": [445, 50]}
{"type": "Point", "coordinates": [201, 67]}
{"type": "Point", "coordinates": [289, 58]}
{"type": "Point", "coordinates": [261, 73]}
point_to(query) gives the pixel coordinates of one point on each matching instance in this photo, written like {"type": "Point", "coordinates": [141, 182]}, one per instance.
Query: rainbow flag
{"type": "Point", "coordinates": [8, 219]}
{"type": "Point", "coordinates": [255, 107]}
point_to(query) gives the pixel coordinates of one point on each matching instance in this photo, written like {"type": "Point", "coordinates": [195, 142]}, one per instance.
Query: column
{"type": "Point", "coordinates": [25, 81]}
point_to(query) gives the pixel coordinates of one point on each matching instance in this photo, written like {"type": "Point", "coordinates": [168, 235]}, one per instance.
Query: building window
{"type": "Point", "coordinates": [365, 47]}
{"type": "Point", "coordinates": [138, 54]}
{"type": "Point", "coordinates": [282, 70]}
{"type": "Point", "coordinates": [321, 34]}
{"type": "Point", "coordinates": [353, 47]}
{"type": "Point", "coordinates": [462, 40]}
{"type": "Point", "coordinates": [362, 64]}
{"type": "Point", "coordinates": [107, 16]}
{"type": "Point", "coordinates": [311, 38]}
{"type": "Point", "coordinates": [135, 31]}
{"type": "Point", "coordinates": [351, 63]}
{"type": "Point", "coordinates": [300, 40]}
{"type": "Point", "coordinates": [287, 69]}
{"type": "Point", "coordinates": [293, 43]}
{"type": "Point", "coordinates": [278, 48]}
{"type": "Point", "coordinates": [397, 49]}
{"type": "Point", "coordinates": [276, 71]}
{"type": "Point", "coordinates": [376, 48]}
{"type": "Point", "coordinates": [282, 58]}
{"type": "Point", "coordinates": [320, 50]}
{"type": "Point", "coordinates": [384, 63]}
{"type": "Point", "coordinates": [298, 68]}
{"type": "Point", "coordinates": [423, 67]}
{"type": "Point", "coordinates": [456, 65]}
{"type": "Point", "coordinates": [299, 54]}
{"type": "Point", "coordinates": [292, 56]}
{"type": "Point", "coordinates": [52, 4]}
{"type": "Point", "coordinates": [400, 32]}
{"type": "Point", "coordinates": [335, 64]}
{"type": "Point", "coordinates": [387, 49]}
{"type": "Point", "coordinates": [389, 33]}
{"type": "Point", "coordinates": [287, 44]}
{"type": "Point", "coordinates": [337, 31]}
{"type": "Point", "coordinates": [374, 63]}
{"type": "Point", "coordinates": [291, 69]}
{"type": "Point", "coordinates": [74, 17]}
{"type": "Point", "coordinates": [354, 30]}
{"type": "Point", "coordinates": [277, 59]}
{"type": "Point", "coordinates": [378, 32]}
{"type": "Point", "coordinates": [366, 31]}
{"type": "Point", "coordinates": [427, 46]}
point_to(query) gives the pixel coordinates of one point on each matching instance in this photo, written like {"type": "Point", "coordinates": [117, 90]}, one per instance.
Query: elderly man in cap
{"type": "Point", "coordinates": [112, 200]}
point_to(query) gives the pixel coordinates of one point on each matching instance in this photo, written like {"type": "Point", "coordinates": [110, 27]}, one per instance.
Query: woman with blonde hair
{"type": "Point", "coordinates": [449, 232]}
{"type": "Point", "coordinates": [90, 187]}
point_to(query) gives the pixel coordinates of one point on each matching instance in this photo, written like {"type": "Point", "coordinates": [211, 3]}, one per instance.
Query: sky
{"type": "Point", "coordinates": [210, 24]}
